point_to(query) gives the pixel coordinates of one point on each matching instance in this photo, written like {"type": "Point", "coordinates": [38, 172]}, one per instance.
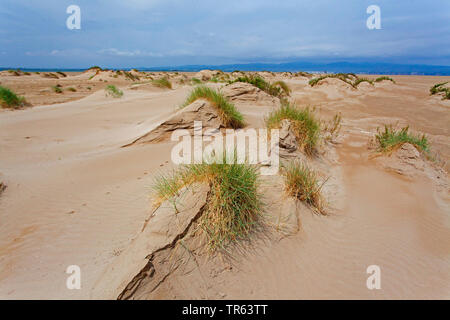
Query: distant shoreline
{"type": "Point", "coordinates": [369, 69]}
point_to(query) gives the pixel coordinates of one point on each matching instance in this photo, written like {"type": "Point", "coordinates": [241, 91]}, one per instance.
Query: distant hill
{"type": "Point", "coordinates": [335, 67]}
{"type": "Point", "coordinates": [369, 68]}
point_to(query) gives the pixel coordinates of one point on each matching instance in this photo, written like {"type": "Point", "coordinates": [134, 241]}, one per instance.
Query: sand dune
{"type": "Point", "coordinates": [74, 196]}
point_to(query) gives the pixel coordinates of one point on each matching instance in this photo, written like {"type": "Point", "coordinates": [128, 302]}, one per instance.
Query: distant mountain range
{"type": "Point", "coordinates": [335, 67]}
{"type": "Point", "coordinates": [368, 68]}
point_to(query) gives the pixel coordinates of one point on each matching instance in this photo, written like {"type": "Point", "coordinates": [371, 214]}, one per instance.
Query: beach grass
{"type": "Point", "coordinates": [301, 182]}
{"type": "Point", "coordinates": [228, 113]}
{"type": "Point", "coordinates": [9, 99]}
{"type": "Point", "coordinates": [196, 81]}
{"type": "Point", "coordinates": [233, 204]}
{"type": "Point", "coordinates": [303, 74]}
{"type": "Point", "coordinates": [57, 89]}
{"type": "Point", "coordinates": [278, 89]}
{"type": "Point", "coordinates": [379, 79]}
{"type": "Point", "coordinates": [349, 78]}
{"type": "Point", "coordinates": [111, 90]}
{"type": "Point", "coordinates": [129, 75]}
{"type": "Point", "coordinates": [332, 127]}
{"type": "Point", "coordinates": [361, 80]}
{"type": "Point", "coordinates": [284, 88]}
{"type": "Point", "coordinates": [162, 83]}
{"type": "Point", "coordinates": [439, 88]}
{"type": "Point", "coordinates": [306, 127]}
{"type": "Point", "coordinates": [390, 139]}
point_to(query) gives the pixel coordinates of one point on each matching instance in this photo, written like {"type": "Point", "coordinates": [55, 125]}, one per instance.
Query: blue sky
{"type": "Point", "coordinates": [138, 33]}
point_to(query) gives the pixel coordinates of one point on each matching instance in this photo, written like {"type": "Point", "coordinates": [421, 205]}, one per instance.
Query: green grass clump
{"type": "Point", "coordinates": [17, 72]}
{"type": "Point", "coordinates": [333, 127]}
{"type": "Point", "coordinates": [8, 99]}
{"type": "Point", "coordinates": [379, 79]}
{"type": "Point", "coordinates": [57, 89]}
{"type": "Point", "coordinates": [162, 83]}
{"type": "Point", "coordinates": [303, 74]}
{"type": "Point", "coordinates": [278, 89]}
{"type": "Point", "coordinates": [302, 183]}
{"type": "Point", "coordinates": [196, 81]}
{"type": "Point", "coordinates": [130, 76]}
{"type": "Point", "coordinates": [233, 205]}
{"type": "Point", "coordinates": [228, 113]}
{"type": "Point", "coordinates": [50, 75]}
{"type": "Point", "coordinates": [439, 88]}
{"type": "Point", "coordinates": [315, 81]}
{"type": "Point", "coordinates": [390, 139]}
{"type": "Point", "coordinates": [360, 80]}
{"type": "Point", "coordinates": [112, 90]}
{"type": "Point", "coordinates": [72, 89]}
{"type": "Point", "coordinates": [284, 88]}
{"type": "Point", "coordinates": [306, 126]}
{"type": "Point", "coordinates": [349, 78]}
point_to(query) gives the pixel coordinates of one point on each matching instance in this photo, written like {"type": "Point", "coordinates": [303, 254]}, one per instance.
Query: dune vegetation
{"type": "Point", "coordinates": [301, 182]}
{"type": "Point", "coordinates": [439, 88]}
{"type": "Point", "coordinates": [111, 90]}
{"type": "Point", "coordinates": [277, 89]}
{"type": "Point", "coordinates": [379, 79]}
{"type": "Point", "coordinates": [162, 83]}
{"type": "Point", "coordinates": [233, 204]}
{"type": "Point", "coordinates": [357, 81]}
{"type": "Point", "coordinates": [332, 127]}
{"type": "Point", "coordinates": [15, 72]}
{"type": "Point", "coordinates": [345, 77]}
{"type": "Point", "coordinates": [8, 99]}
{"type": "Point", "coordinates": [2, 187]}
{"type": "Point", "coordinates": [307, 127]}
{"type": "Point", "coordinates": [390, 139]}
{"type": "Point", "coordinates": [57, 89]}
{"type": "Point", "coordinates": [228, 113]}
{"type": "Point", "coordinates": [196, 81]}
{"type": "Point", "coordinates": [129, 75]}
{"type": "Point", "coordinates": [349, 78]}
{"type": "Point", "coordinates": [303, 74]}
{"type": "Point", "coordinates": [50, 75]}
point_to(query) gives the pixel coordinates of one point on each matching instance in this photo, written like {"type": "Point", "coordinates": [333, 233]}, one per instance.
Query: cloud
{"type": "Point", "coordinates": [170, 32]}
{"type": "Point", "coordinates": [125, 53]}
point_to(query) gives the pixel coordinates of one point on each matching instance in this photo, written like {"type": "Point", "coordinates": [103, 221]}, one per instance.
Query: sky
{"type": "Point", "coordinates": [153, 33]}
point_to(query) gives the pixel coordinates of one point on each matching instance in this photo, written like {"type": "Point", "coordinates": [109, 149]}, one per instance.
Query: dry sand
{"type": "Point", "coordinates": [74, 196]}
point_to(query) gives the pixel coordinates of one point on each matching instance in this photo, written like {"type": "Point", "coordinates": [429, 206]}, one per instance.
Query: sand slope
{"type": "Point", "coordinates": [75, 197]}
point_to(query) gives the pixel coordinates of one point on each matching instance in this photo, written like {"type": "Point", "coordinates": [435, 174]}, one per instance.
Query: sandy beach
{"type": "Point", "coordinates": [75, 196]}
